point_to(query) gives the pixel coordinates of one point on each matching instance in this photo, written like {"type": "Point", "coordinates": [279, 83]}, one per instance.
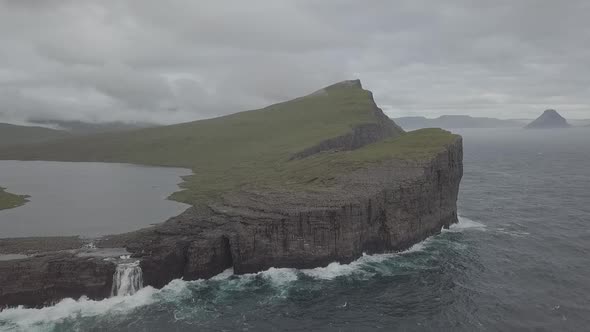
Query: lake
{"type": "Point", "coordinates": [87, 199]}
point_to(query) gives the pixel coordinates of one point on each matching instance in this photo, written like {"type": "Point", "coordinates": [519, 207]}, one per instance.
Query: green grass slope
{"type": "Point", "coordinates": [16, 135]}
{"type": "Point", "coordinates": [251, 148]}
{"type": "Point", "coordinates": [9, 201]}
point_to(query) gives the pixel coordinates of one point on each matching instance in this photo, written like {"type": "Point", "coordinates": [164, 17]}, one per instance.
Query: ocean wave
{"type": "Point", "coordinates": [226, 284]}
{"type": "Point", "coordinates": [513, 233]}
{"type": "Point", "coordinates": [465, 224]}
{"type": "Point", "coordinates": [335, 269]}
{"type": "Point", "coordinates": [44, 319]}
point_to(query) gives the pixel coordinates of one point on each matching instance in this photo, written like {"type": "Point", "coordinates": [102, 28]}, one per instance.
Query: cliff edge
{"type": "Point", "coordinates": [322, 178]}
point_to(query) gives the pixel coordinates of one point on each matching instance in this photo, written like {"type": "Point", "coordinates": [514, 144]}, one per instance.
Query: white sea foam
{"type": "Point", "coordinates": [466, 224]}
{"type": "Point", "coordinates": [44, 318]}
{"type": "Point", "coordinates": [224, 275]}
{"type": "Point", "coordinates": [279, 277]}
{"type": "Point", "coordinates": [335, 269]}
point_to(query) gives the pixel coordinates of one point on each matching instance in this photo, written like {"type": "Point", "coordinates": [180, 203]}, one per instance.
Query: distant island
{"type": "Point", "coordinates": [454, 122]}
{"type": "Point", "coordinates": [549, 119]}
{"type": "Point", "coordinates": [303, 183]}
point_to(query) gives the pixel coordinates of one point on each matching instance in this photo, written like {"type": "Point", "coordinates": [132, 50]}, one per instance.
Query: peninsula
{"type": "Point", "coordinates": [303, 183]}
{"type": "Point", "coordinates": [10, 200]}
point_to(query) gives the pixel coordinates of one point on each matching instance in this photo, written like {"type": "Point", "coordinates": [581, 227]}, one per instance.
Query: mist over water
{"type": "Point", "coordinates": [518, 260]}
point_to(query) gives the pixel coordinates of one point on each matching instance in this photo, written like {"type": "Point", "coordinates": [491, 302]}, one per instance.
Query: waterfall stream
{"type": "Point", "coordinates": [128, 279]}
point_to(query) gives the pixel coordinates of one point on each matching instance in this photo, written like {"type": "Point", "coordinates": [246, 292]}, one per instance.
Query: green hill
{"type": "Point", "coordinates": [300, 143]}
{"type": "Point", "coordinates": [88, 128]}
{"type": "Point", "coordinates": [16, 135]}
{"type": "Point", "coordinates": [9, 201]}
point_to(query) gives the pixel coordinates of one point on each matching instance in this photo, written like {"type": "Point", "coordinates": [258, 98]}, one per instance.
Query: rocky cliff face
{"type": "Point", "coordinates": [360, 135]}
{"type": "Point", "coordinates": [53, 276]}
{"type": "Point", "coordinates": [386, 207]}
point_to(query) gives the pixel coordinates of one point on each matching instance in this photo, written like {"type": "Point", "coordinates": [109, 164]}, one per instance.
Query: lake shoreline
{"type": "Point", "coordinates": [9, 200]}
{"type": "Point", "coordinates": [89, 200]}
{"type": "Point", "coordinates": [39, 244]}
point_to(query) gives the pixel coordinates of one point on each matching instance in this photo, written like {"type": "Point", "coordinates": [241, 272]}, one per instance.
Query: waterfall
{"type": "Point", "coordinates": [128, 279]}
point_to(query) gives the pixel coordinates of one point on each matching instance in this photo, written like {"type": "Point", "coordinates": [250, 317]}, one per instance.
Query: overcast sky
{"type": "Point", "coordinates": [179, 60]}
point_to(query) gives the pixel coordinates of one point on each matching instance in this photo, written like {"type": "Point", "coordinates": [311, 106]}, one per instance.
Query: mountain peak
{"type": "Point", "coordinates": [549, 119]}
{"type": "Point", "coordinates": [551, 112]}
{"type": "Point", "coordinates": [346, 84]}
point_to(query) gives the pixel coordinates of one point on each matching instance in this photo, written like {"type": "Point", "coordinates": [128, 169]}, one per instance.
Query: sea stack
{"type": "Point", "coordinates": [549, 119]}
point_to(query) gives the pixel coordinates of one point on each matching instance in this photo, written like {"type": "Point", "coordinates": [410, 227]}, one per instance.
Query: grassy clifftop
{"type": "Point", "coordinates": [9, 201]}
{"type": "Point", "coordinates": [252, 148]}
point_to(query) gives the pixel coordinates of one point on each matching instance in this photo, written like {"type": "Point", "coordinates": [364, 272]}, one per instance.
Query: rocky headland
{"type": "Point", "coordinates": [332, 179]}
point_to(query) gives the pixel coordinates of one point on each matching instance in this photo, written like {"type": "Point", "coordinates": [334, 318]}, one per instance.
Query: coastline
{"type": "Point", "coordinates": [10, 201]}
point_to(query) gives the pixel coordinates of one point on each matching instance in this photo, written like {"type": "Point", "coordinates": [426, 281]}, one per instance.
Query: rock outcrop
{"type": "Point", "coordinates": [549, 119]}
{"type": "Point", "coordinates": [47, 278]}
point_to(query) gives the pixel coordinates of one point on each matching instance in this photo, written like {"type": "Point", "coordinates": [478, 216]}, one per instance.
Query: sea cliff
{"type": "Point", "coordinates": [386, 208]}
{"type": "Point", "coordinates": [295, 201]}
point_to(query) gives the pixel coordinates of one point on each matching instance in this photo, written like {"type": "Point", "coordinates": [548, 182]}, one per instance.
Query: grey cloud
{"type": "Point", "coordinates": [181, 60]}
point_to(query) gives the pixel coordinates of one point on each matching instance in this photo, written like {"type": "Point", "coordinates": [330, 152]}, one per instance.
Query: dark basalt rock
{"type": "Point", "coordinates": [549, 119]}
{"type": "Point", "coordinates": [386, 208]}
{"type": "Point", "coordinates": [48, 278]}
{"type": "Point", "coordinates": [381, 208]}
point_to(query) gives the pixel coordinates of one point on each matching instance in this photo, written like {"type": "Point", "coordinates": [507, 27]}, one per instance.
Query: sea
{"type": "Point", "coordinates": [518, 260]}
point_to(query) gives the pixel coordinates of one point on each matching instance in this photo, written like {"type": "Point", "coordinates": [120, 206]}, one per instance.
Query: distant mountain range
{"type": "Point", "coordinates": [454, 122]}
{"type": "Point", "coordinates": [87, 128]}
{"type": "Point", "coordinates": [43, 130]}
{"type": "Point", "coordinates": [579, 123]}
{"type": "Point", "coordinates": [18, 135]}
{"type": "Point", "coordinates": [466, 121]}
